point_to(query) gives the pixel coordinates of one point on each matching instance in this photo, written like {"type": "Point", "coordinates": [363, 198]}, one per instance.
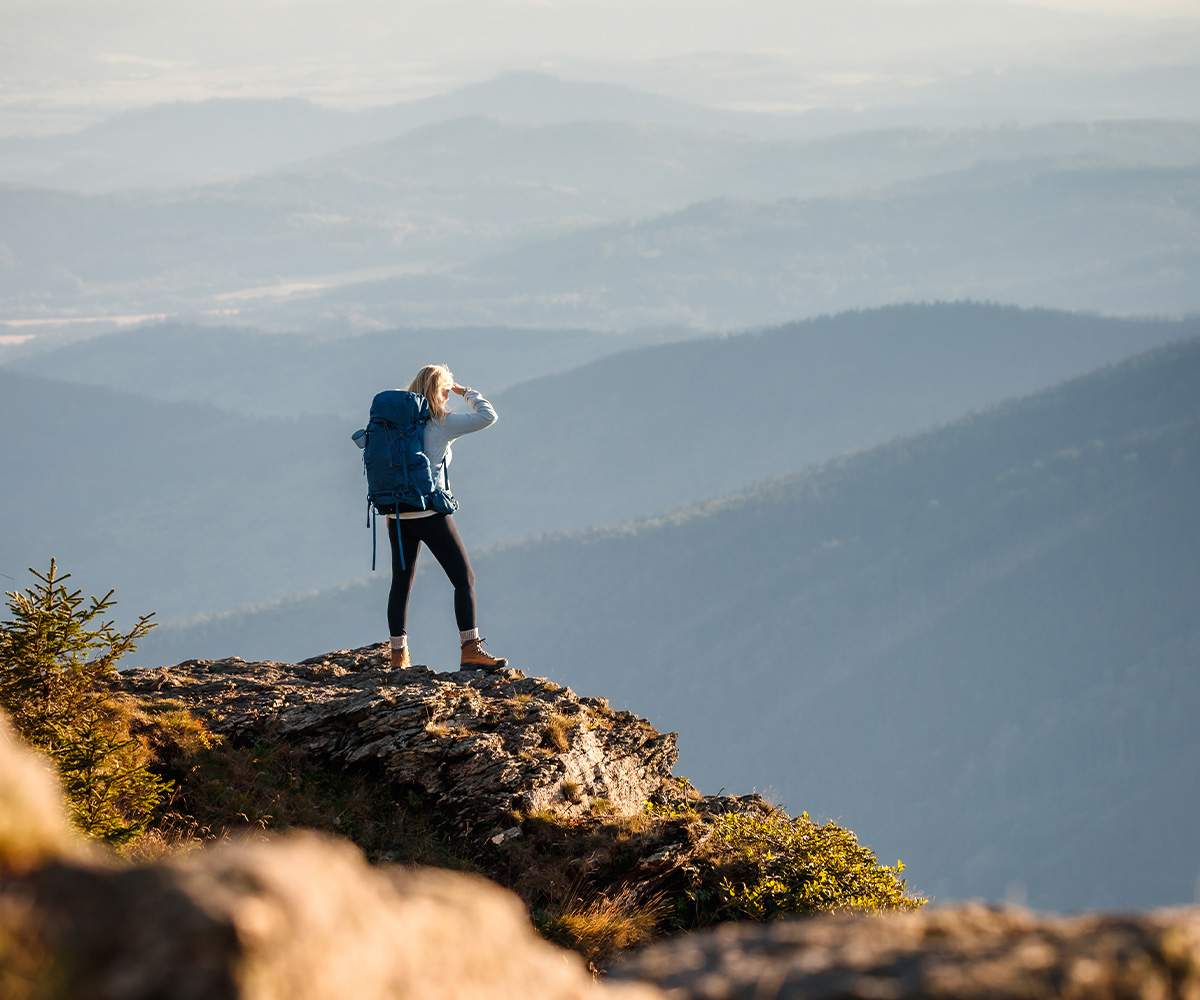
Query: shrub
{"type": "Point", "coordinates": [60, 703]}
{"type": "Point", "coordinates": [768, 865]}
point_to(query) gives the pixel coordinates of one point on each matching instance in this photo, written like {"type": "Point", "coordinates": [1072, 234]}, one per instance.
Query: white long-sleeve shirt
{"type": "Point", "coordinates": [438, 438]}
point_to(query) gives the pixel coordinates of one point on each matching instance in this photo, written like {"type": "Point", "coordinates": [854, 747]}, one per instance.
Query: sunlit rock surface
{"type": "Point", "coordinates": [481, 745]}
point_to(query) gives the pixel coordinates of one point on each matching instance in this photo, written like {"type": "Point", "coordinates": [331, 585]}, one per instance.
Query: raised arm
{"type": "Point", "coordinates": [484, 415]}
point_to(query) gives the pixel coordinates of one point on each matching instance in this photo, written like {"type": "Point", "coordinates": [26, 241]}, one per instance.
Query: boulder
{"type": "Point", "coordinates": [967, 952]}
{"type": "Point", "coordinates": [301, 918]}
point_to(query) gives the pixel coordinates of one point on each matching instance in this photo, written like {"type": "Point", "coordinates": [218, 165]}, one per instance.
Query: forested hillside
{"type": "Point", "coordinates": [189, 510]}
{"type": "Point", "coordinates": [635, 433]}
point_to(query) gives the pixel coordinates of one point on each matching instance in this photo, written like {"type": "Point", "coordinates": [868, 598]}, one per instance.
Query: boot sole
{"type": "Point", "coordinates": [491, 669]}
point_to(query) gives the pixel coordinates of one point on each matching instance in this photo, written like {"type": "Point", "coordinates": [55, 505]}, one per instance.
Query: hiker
{"type": "Point", "coordinates": [407, 530]}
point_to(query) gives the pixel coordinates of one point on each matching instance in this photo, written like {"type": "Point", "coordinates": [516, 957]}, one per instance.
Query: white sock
{"type": "Point", "coordinates": [467, 636]}
{"type": "Point", "coordinates": [399, 641]}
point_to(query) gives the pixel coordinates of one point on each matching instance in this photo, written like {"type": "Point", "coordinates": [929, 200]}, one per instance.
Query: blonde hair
{"type": "Point", "coordinates": [430, 382]}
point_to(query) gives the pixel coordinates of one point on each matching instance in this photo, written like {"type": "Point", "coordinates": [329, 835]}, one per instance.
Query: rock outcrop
{"type": "Point", "coordinates": [969, 952]}
{"type": "Point", "coordinates": [305, 917]}
{"type": "Point", "coordinates": [300, 918]}
{"type": "Point", "coordinates": [482, 746]}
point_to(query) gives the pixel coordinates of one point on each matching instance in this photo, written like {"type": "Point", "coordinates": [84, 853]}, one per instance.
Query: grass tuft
{"type": "Point", "coordinates": [555, 729]}
{"type": "Point", "coordinates": [603, 927]}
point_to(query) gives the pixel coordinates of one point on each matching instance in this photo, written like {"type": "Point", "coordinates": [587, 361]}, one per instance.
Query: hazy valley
{"type": "Point", "coordinates": [633, 218]}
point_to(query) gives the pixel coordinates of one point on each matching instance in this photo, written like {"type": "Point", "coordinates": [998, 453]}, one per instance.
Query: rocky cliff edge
{"type": "Point", "coordinates": [483, 746]}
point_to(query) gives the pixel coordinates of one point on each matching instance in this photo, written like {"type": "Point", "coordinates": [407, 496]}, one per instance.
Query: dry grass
{"type": "Point", "coordinates": [441, 729]}
{"type": "Point", "coordinates": [169, 727]}
{"type": "Point", "coordinates": [173, 836]}
{"type": "Point", "coordinates": [555, 729]}
{"type": "Point", "coordinates": [518, 706]}
{"type": "Point", "coordinates": [635, 823]}
{"type": "Point", "coordinates": [603, 927]}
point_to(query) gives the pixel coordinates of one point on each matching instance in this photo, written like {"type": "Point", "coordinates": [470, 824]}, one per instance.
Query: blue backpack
{"type": "Point", "coordinates": [399, 477]}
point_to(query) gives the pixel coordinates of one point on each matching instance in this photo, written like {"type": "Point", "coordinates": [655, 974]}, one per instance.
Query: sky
{"type": "Point", "coordinates": [64, 62]}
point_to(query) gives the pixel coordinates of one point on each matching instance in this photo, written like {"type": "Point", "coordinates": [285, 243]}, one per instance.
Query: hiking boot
{"type": "Point", "coordinates": [400, 659]}
{"type": "Point", "coordinates": [474, 657]}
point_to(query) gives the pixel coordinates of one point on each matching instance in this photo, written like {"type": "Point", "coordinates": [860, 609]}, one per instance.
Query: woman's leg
{"type": "Point", "coordinates": [443, 540]}
{"type": "Point", "coordinates": [402, 579]}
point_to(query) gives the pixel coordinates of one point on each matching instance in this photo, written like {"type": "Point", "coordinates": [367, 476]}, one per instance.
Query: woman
{"type": "Point", "coordinates": [437, 531]}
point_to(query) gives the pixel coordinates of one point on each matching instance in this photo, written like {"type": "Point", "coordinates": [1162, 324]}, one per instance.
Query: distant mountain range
{"type": "Point", "coordinates": [651, 166]}
{"type": "Point", "coordinates": [620, 224]}
{"type": "Point", "coordinates": [184, 144]}
{"type": "Point", "coordinates": [1112, 240]}
{"type": "Point", "coordinates": [632, 434]}
{"type": "Point", "coordinates": [978, 645]}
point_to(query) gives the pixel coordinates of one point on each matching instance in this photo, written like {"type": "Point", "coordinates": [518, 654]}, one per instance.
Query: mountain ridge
{"type": "Point", "coordinates": [294, 522]}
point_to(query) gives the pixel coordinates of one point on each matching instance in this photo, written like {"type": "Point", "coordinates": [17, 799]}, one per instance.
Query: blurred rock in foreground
{"type": "Point", "coordinates": [301, 918]}
{"type": "Point", "coordinates": [968, 952]}
{"type": "Point", "coordinates": [33, 815]}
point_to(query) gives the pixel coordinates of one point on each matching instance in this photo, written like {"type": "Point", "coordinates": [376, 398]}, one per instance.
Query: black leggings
{"type": "Point", "coordinates": [438, 532]}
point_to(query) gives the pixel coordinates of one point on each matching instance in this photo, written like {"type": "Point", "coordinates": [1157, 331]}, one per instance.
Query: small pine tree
{"type": "Point", "coordinates": [55, 660]}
